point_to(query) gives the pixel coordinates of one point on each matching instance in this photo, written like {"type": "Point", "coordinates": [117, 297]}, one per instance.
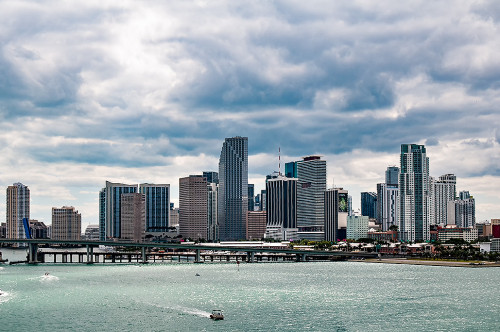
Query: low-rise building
{"type": "Point", "coordinates": [38, 230]}
{"type": "Point", "coordinates": [447, 233]}
{"type": "Point", "coordinates": [389, 236]}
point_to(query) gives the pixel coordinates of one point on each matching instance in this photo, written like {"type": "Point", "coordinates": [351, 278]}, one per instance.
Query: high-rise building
{"type": "Point", "coordinates": [92, 233]}
{"type": "Point", "coordinates": [414, 194]}
{"type": "Point", "coordinates": [38, 229]}
{"type": "Point", "coordinates": [336, 212]}
{"type": "Point", "coordinates": [133, 217]}
{"type": "Point", "coordinates": [263, 198]}
{"type": "Point", "coordinates": [255, 225]}
{"type": "Point", "coordinates": [387, 205]}
{"type": "Point", "coordinates": [357, 227]}
{"type": "Point", "coordinates": [193, 210]}
{"type": "Point", "coordinates": [311, 186]}
{"type": "Point", "coordinates": [173, 218]}
{"type": "Point", "coordinates": [66, 223]}
{"type": "Point", "coordinates": [212, 177]}
{"type": "Point", "coordinates": [392, 176]}
{"type": "Point", "coordinates": [18, 208]}
{"type": "Point", "coordinates": [369, 204]}
{"type": "Point", "coordinates": [157, 206]}
{"type": "Point", "coordinates": [110, 208]}
{"type": "Point", "coordinates": [281, 208]}
{"type": "Point", "coordinates": [443, 191]}
{"type": "Point", "coordinates": [462, 211]}
{"type": "Point", "coordinates": [251, 198]}
{"type": "Point", "coordinates": [233, 188]}
{"type": "Point", "coordinates": [213, 227]}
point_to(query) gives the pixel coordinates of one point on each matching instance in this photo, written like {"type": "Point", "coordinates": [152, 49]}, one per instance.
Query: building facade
{"type": "Point", "coordinates": [133, 217]}
{"type": "Point", "coordinates": [311, 186]}
{"type": "Point", "coordinates": [213, 226]}
{"type": "Point", "coordinates": [336, 212]}
{"type": "Point", "coordinates": [233, 189]}
{"type": "Point", "coordinates": [193, 193]}
{"type": "Point", "coordinates": [157, 206]}
{"type": "Point", "coordinates": [414, 194]}
{"type": "Point", "coordinates": [17, 209]}
{"type": "Point", "coordinates": [92, 233]}
{"type": "Point", "coordinates": [369, 204]}
{"type": "Point", "coordinates": [256, 225]}
{"type": "Point", "coordinates": [66, 223]}
{"type": "Point", "coordinates": [281, 207]}
{"type": "Point", "coordinates": [462, 212]}
{"type": "Point", "coordinates": [392, 176]}
{"type": "Point", "coordinates": [110, 208]}
{"type": "Point", "coordinates": [443, 191]}
{"type": "Point", "coordinates": [357, 227]}
{"type": "Point", "coordinates": [387, 205]}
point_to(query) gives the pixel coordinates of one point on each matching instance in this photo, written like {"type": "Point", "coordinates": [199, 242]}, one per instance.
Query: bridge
{"type": "Point", "coordinates": [197, 249]}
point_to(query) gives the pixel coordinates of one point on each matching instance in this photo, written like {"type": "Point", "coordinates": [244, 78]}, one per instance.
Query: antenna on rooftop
{"type": "Point", "coordinates": [279, 160]}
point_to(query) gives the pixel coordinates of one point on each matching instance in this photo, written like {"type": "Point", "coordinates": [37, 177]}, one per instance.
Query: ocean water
{"type": "Point", "coordinates": [329, 296]}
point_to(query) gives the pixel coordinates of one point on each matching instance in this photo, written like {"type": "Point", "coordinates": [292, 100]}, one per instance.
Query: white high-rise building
{"type": "Point", "coordinates": [357, 227]}
{"type": "Point", "coordinates": [462, 211]}
{"type": "Point", "coordinates": [443, 191]}
{"type": "Point", "coordinates": [387, 205]}
{"type": "Point", "coordinates": [281, 208]}
{"type": "Point", "coordinates": [18, 208]}
{"type": "Point", "coordinates": [414, 194]}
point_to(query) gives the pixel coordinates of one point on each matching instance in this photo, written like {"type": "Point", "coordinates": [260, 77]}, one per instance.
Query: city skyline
{"type": "Point", "coordinates": [134, 93]}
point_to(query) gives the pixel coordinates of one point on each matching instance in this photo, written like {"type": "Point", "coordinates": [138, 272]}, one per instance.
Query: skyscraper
{"type": "Point", "coordinates": [193, 207]}
{"type": "Point", "coordinates": [281, 208]}
{"type": "Point", "coordinates": [387, 205]}
{"type": "Point", "coordinates": [66, 223]}
{"type": "Point", "coordinates": [336, 211]}
{"type": "Point", "coordinates": [212, 225]}
{"type": "Point", "coordinates": [110, 208]}
{"type": "Point", "coordinates": [369, 204]}
{"type": "Point", "coordinates": [444, 191]}
{"type": "Point", "coordinates": [414, 193]}
{"type": "Point", "coordinates": [462, 211]}
{"type": "Point", "coordinates": [212, 177]}
{"type": "Point", "coordinates": [251, 198]}
{"type": "Point", "coordinates": [18, 208]}
{"type": "Point", "coordinates": [133, 217]}
{"type": "Point", "coordinates": [311, 186]}
{"type": "Point", "coordinates": [233, 188]}
{"type": "Point", "coordinates": [392, 176]}
{"type": "Point", "coordinates": [157, 206]}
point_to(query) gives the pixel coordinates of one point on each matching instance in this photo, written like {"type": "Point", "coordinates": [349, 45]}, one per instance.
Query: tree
{"type": "Point", "coordinates": [393, 228]}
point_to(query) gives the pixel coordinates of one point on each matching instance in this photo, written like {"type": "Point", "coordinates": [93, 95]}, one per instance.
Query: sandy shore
{"type": "Point", "coordinates": [430, 262]}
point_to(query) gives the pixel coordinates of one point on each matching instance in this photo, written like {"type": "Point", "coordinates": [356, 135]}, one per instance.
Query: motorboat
{"type": "Point", "coordinates": [217, 315]}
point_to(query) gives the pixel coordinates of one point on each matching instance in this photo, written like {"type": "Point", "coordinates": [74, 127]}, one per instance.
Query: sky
{"type": "Point", "coordinates": [138, 92]}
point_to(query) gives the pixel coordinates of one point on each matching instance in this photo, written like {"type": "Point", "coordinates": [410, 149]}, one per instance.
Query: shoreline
{"type": "Point", "coordinates": [430, 262]}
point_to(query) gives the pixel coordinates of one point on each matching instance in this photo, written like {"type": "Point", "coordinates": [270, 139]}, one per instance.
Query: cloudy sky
{"type": "Point", "coordinates": [139, 92]}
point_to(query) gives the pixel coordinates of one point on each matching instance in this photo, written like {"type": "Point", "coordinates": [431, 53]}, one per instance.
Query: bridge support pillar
{"type": "Point", "coordinates": [32, 253]}
{"type": "Point", "coordinates": [90, 254]}
{"type": "Point", "coordinates": [144, 257]}
{"type": "Point", "coordinates": [197, 257]}
{"type": "Point", "coordinates": [250, 257]}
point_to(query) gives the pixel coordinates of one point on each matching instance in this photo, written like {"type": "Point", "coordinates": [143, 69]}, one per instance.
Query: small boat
{"type": "Point", "coordinates": [217, 315]}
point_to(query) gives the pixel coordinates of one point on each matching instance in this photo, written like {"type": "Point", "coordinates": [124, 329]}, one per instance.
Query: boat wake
{"type": "Point", "coordinates": [46, 278]}
{"type": "Point", "coordinates": [183, 310]}
{"type": "Point", "coordinates": [4, 296]}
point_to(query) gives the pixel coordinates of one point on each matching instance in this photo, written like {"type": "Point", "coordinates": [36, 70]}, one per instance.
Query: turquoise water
{"type": "Point", "coordinates": [333, 296]}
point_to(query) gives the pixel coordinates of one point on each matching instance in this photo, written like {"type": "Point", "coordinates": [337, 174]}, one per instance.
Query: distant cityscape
{"type": "Point", "coordinates": [410, 206]}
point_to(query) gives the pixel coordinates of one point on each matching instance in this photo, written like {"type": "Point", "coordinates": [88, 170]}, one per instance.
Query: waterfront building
{"type": "Point", "coordinates": [233, 188]}
{"type": "Point", "coordinates": [66, 223]}
{"type": "Point", "coordinates": [92, 233]}
{"type": "Point", "coordinates": [173, 216]}
{"type": "Point", "coordinates": [133, 217]}
{"type": "Point", "coordinates": [384, 236]}
{"type": "Point", "coordinates": [193, 198]}
{"type": "Point", "coordinates": [281, 208]}
{"type": "Point", "coordinates": [369, 204]}
{"type": "Point", "coordinates": [256, 225]}
{"type": "Point", "coordinates": [447, 233]}
{"type": "Point", "coordinates": [311, 186]}
{"type": "Point", "coordinates": [38, 229]}
{"type": "Point", "coordinates": [414, 194]}
{"type": "Point", "coordinates": [3, 230]}
{"type": "Point", "coordinates": [110, 208]}
{"type": "Point", "coordinates": [443, 191]}
{"type": "Point", "coordinates": [157, 206]}
{"type": "Point", "coordinates": [336, 213]}
{"type": "Point", "coordinates": [18, 208]}
{"type": "Point", "coordinates": [387, 205]}
{"type": "Point", "coordinates": [462, 212]}
{"type": "Point", "coordinates": [357, 227]}
{"type": "Point", "coordinates": [495, 245]}
{"type": "Point", "coordinates": [392, 176]}
{"type": "Point", "coordinates": [213, 227]}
